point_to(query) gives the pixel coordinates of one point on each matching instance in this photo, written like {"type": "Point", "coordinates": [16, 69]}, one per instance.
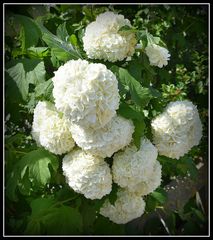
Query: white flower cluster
{"type": "Point", "coordinates": [86, 99]}
{"type": "Point", "coordinates": [177, 129]}
{"type": "Point", "coordinates": [50, 130]}
{"type": "Point", "coordinates": [87, 174]}
{"type": "Point", "coordinates": [102, 39]}
{"type": "Point", "coordinates": [105, 141]}
{"type": "Point", "coordinates": [86, 93]}
{"type": "Point", "coordinates": [137, 170]}
{"type": "Point", "coordinates": [152, 182]}
{"type": "Point", "coordinates": [158, 56]}
{"type": "Point", "coordinates": [127, 207]}
{"type": "Point", "coordinates": [88, 96]}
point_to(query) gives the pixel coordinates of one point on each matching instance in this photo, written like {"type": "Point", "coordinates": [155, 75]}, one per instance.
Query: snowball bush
{"type": "Point", "coordinates": [105, 141]}
{"type": "Point", "coordinates": [158, 56]}
{"type": "Point", "coordinates": [127, 207]}
{"type": "Point", "coordinates": [86, 93]}
{"type": "Point", "coordinates": [102, 39]}
{"type": "Point", "coordinates": [177, 129]}
{"type": "Point", "coordinates": [87, 174]}
{"type": "Point", "coordinates": [50, 130]}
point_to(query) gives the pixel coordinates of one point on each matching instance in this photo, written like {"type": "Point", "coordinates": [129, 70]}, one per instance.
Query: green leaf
{"type": "Point", "coordinates": [31, 32]}
{"type": "Point", "coordinates": [142, 37]}
{"type": "Point", "coordinates": [192, 168]}
{"type": "Point", "coordinates": [138, 133]}
{"type": "Point", "coordinates": [26, 71]}
{"type": "Point", "coordinates": [50, 219]}
{"type": "Point", "coordinates": [17, 74]}
{"type": "Point", "coordinates": [39, 205]}
{"type": "Point", "coordinates": [135, 68]}
{"type": "Point", "coordinates": [186, 165]}
{"type": "Point", "coordinates": [62, 49]}
{"type": "Point", "coordinates": [44, 90]}
{"type": "Point", "coordinates": [155, 93]}
{"type": "Point", "coordinates": [66, 193]}
{"type": "Point", "coordinates": [38, 52]}
{"type": "Point", "coordinates": [129, 112]}
{"type": "Point", "coordinates": [62, 33]}
{"type": "Point", "coordinates": [24, 184]}
{"type": "Point", "coordinates": [140, 95]}
{"type": "Point", "coordinates": [128, 29]}
{"type": "Point", "coordinates": [169, 167]}
{"type": "Point", "coordinates": [151, 203]}
{"type": "Point", "coordinates": [160, 195]}
{"type": "Point", "coordinates": [113, 194]}
{"type": "Point", "coordinates": [38, 163]}
{"type": "Point", "coordinates": [13, 99]}
{"type": "Point", "coordinates": [73, 39]}
{"type": "Point", "coordinates": [37, 74]}
{"type": "Point", "coordinates": [146, 65]}
{"type": "Point", "coordinates": [98, 203]}
{"type": "Point", "coordinates": [156, 40]}
{"type": "Point", "coordinates": [60, 54]}
{"type": "Point", "coordinates": [63, 221]}
{"type": "Point", "coordinates": [34, 166]}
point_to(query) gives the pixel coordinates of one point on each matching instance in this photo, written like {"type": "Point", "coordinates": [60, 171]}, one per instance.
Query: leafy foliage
{"type": "Point", "coordinates": [30, 33]}
{"type": "Point", "coordinates": [60, 45]}
{"type": "Point", "coordinates": [48, 218]}
{"type": "Point", "coordinates": [39, 39]}
{"type": "Point", "coordinates": [31, 169]}
{"type": "Point", "coordinates": [25, 72]}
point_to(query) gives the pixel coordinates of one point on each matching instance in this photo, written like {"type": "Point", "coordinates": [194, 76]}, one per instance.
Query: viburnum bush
{"type": "Point", "coordinates": [101, 113]}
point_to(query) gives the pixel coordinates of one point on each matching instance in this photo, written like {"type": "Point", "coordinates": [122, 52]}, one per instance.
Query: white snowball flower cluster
{"type": "Point", "coordinates": [152, 182]}
{"type": "Point", "coordinates": [105, 141]}
{"type": "Point", "coordinates": [158, 56]}
{"type": "Point", "coordinates": [102, 39]}
{"type": "Point", "coordinates": [127, 207]}
{"type": "Point", "coordinates": [137, 170]}
{"type": "Point", "coordinates": [86, 93]}
{"type": "Point", "coordinates": [50, 130]}
{"type": "Point", "coordinates": [177, 129]}
{"type": "Point", "coordinates": [87, 174]}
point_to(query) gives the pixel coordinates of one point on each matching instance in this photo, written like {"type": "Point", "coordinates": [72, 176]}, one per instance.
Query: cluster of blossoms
{"type": "Point", "coordinates": [127, 207]}
{"type": "Point", "coordinates": [87, 93]}
{"type": "Point", "coordinates": [138, 173]}
{"type": "Point", "coordinates": [86, 99]}
{"type": "Point", "coordinates": [105, 141]}
{"type": "Point", "coordinates": [51, 130]}
{"type": "Point", "coordinates": [137, 170]}
{"type": "Point", "coordinates": [103, 40]}
{"type": "Point", "coordinates": [177, 129]}
{"type": "Point", "coordinates": [158, 56]}
{"type": "Point", "coordinates": [86, 96]}
{"type": "Point", "coordinates": [87, 174]}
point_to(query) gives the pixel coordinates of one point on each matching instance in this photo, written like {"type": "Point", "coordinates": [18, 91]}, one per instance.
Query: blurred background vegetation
{"type": "Point", "coordinates": [184, 29]}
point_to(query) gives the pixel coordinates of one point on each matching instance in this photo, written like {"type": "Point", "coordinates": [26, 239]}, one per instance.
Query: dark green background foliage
{"type": "Point", "coordinates": [38, 39]}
